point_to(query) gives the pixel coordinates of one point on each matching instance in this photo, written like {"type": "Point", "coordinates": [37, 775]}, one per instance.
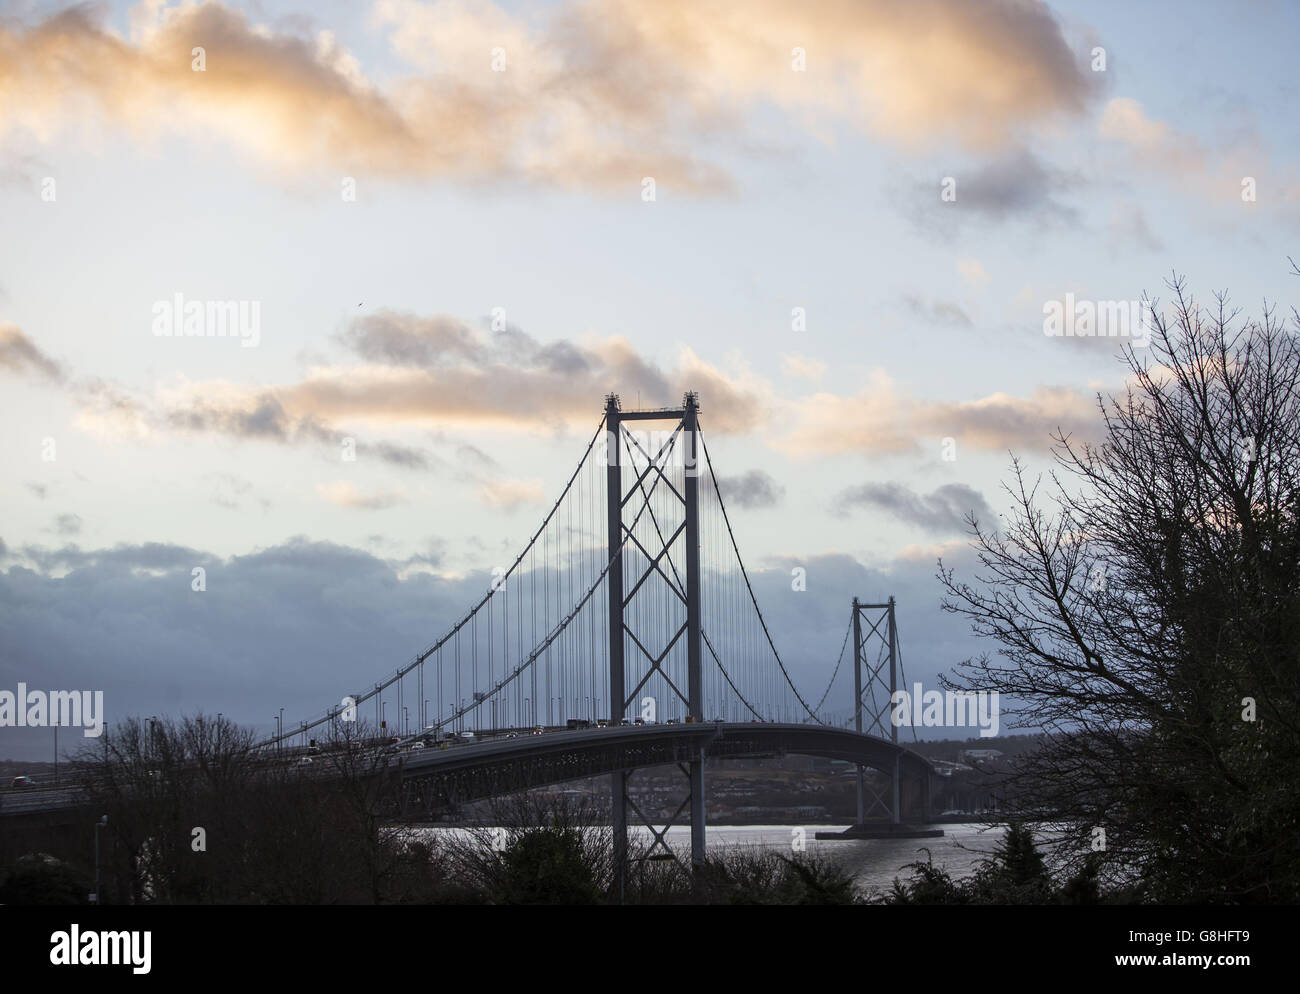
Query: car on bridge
{"type": "Point", "coordinates": [18, 783]}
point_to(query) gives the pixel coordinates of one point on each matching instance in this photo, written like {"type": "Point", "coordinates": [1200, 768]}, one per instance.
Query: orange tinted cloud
{"type": "Point", "coordinates": [881, 420]}
{"type": "Point", "coordinates": [432, 372]}
{"type": "Point", "coordinates": [19, 354]}
{"type": "Point", "coordinates": [591, 94]}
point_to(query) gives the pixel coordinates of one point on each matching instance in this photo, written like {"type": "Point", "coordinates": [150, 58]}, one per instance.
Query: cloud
{"type": "Point", "coordinates": [1124, 120]}
{"type": "Point", "coordinates": [398, 339]}
{"type": "Point", "coordinates": [590, 94]}
{"type": "Point", "coordinates": [108, 411]}
{"type": "Point", "coordinates": [68, 524]}
{"type": "Point", "coordinates": [230, 491]}
{"type": "Point", "coordinates": [433, 372]}
{"type": "Point", "coordinates": [1213, 172]}
{"type": "Point", "coordinates": [751, 490]}
{"type": "Point", "coordinates": [345, 494]}
{"type": "Point", "coordinates": [217, 407]}
{"type": "Point", "coordinates": [1129, 230]}
{"type": "Point", "coordinates": [259, 415]}
{"type": "Point", "coordinates": [881, 419]}
{"type": "Point", "coordinates": [1015, 185]}
{"type": "Point", "coordinates": [937, 311]}
{"type": "Point", "coordinates": [19, 354]}
{"type": "Point", "coordinates": [143, 557]}
{"type": "Point", "coordinates": [802, 367]}
{"type": "Point", "coordinates": [972, 271]}
{"type": "Point", "coordinates": [975, 72]}
{"type": "Point", "coordinates": [510, 494]}
{"type": "Point", "coordinates": [942, 510]}
{"type": "Point", "coordinates": [475, 458]}
{"type": "Point", "coordinates": [439, 370]}
{"type": "Point", "coordinates": [302, 623]}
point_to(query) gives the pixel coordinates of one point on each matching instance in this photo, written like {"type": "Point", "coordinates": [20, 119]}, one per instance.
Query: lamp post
{"type": "Point", "coordinates": [94, 898]}
{"type": "Point", "coordinates": [406, 720]}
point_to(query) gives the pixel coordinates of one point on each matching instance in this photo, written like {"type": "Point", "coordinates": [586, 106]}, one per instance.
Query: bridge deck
{"type": "Point", "coordinates": [489, 768]}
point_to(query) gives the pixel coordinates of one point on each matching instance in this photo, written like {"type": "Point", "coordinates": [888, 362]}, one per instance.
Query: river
{"type": "Point", "coordinates": [874, 863]}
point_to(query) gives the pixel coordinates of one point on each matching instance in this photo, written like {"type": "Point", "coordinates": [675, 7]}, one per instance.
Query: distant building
{"type": "Point", "coordinates": [946, 768]}
{"type": "Point", "coordinates": [966, 755]}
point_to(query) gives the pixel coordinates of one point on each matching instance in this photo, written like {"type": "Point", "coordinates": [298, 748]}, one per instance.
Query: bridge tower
{"type": "Point", "coordinates": [869, 677]}
{"type": "Point", "coordinates": [684, 438]}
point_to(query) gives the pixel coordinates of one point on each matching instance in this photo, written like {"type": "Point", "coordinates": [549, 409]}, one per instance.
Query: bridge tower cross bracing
{"type": "Point", "coordinates": [869, 677]}
{"type": "Point", "coordinates": [687, 424]}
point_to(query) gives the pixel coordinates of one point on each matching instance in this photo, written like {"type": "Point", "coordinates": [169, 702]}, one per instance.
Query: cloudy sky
{"type": "Point", "coordinates": [452, 227]}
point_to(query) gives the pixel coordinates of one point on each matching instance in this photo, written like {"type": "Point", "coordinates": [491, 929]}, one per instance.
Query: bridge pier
{"type": "Point", "coordinates": [908, 819]}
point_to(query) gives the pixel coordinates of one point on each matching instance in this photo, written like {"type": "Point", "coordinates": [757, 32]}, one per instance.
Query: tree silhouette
{"type": "Point", "coordinates": [1145, 599]}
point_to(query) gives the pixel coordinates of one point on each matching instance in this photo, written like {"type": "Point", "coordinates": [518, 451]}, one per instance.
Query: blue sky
{"type": "Point", "coordinates": [519, 192]}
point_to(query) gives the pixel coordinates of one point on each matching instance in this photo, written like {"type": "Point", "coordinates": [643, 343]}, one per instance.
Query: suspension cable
{"type": "Point", "coordinates": [748, 586]}
{"type": "Point", "coordinates": [838, 663]}
{"type": "Point", "coordinates": [379, 688]}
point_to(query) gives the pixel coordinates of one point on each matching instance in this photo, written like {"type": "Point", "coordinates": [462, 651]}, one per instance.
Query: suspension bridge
{"type": "Point", "coordinates": [628, 632]}
{"type": "Point", "coordinates": [645, 632]}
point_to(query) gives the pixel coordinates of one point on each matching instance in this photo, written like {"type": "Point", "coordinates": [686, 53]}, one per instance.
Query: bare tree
{"type": "Point", "coordinates": [1146, 597]}
{"type": "Point", "coordinates": [199, 814]}
{"type": "Point", "coordinates": [158, 781]}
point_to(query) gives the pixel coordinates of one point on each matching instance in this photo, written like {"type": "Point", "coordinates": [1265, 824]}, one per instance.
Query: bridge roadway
{"type": "Point", "coordinates": [491, 767]}
{"type": "Point", "coordinates": [500, 766]}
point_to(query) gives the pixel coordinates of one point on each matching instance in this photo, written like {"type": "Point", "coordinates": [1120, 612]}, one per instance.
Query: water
{"type": "Point", "coordinates": [874, 863]}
